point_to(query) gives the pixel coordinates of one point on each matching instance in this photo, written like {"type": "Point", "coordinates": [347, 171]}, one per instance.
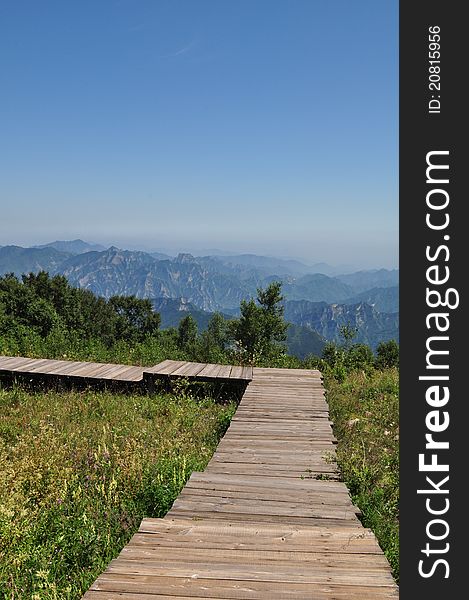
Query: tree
{"type": "Point", "coordinates": [387, 354]}
{"type": "Point", "coordinates": [348, 334]}
{"type": "Point", "coordinates": [187, 333]}
{"type": "Point", "coordinates": [214, 340]}
{"type": "Point", "coordinates": [359, 356]}
{"type": "Point", "coordinates": [21, 306]}
{"type": "Point", "coordinates": [80, 311]}
{"type": "Point", "coordinates": [136, 317]}
{"type": "Point", "coordinates": [261, 330]}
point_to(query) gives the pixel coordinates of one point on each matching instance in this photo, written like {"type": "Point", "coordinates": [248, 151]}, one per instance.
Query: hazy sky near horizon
{"type": "Point", "coordinates": [267, 126]}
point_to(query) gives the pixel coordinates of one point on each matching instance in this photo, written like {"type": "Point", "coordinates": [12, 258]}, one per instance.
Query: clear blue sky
{"type": "Point", "coordinates": [267, 126]}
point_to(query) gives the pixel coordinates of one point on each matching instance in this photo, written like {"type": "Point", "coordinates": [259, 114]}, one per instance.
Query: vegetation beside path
{"type": "Point", "coordinates": [79, 471]}
{"type": "Point", "coordinates": [364, 408]}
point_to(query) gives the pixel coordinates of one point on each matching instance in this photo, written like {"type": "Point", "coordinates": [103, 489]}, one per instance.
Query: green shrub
{"type": "Point", "coordinates": [387, 354]}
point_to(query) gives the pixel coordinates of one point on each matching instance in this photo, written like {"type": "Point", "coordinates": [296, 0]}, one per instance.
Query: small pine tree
{"type": "Point", "coordinates": [261, 330]}
{"type": "Point", "coordinates": [187, 333]}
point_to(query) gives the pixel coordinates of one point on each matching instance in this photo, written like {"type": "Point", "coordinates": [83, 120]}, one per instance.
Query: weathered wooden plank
{"type": "Point", "coordinates": [247, 373]}
{"type": "Point", "coordinates": [210, 370]}
{"type": "Point", "coordinates": [321, 573]}
{"type": "Point", "coordinates": [268, 493]}
{"type": "Point", "coordinates": [86, 369]}
{"type": "Point", "coordinates": [56, 366]}
{"type": "Point", "coordinates": [9, 363]}
{"type": "Point", "coordinates": [236, 372]}
{"type": "Point", "coordinates": [188, 502]}
{"type": "Point", "coordinates": [114, 373]}
{"type": "Point", "coordinates": [297, 531]}
{"type": "Point", "coordinates": [358, 561]}
{"type": "Point", "coordinates": [159, 367]}
{"type": "Point", "coordinates": [264, 481]}
{"type": "Point", "coordinates": [224, 372]}
{"type": "Point", "coordinates": [132, 374]}
{"type": "Point", "coordinates": [143, 587]}
{"type": "Point", "coordinates": [266, 450]}
{"type": "Point", "coordinates": [174, 366]}
{"type": "Point", "coordinates": [36, 366]}
{"type": "Point", "coordinates": [258, 542]}
{"type": "Point", "coordinates": [269, 470]}
{"type": "Point", "coordinates": [189, 369]}
{"type": "Point", "coordinates": [328, 506]}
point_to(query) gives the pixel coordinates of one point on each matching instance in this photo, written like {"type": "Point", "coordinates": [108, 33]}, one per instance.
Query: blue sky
{"type": "Point", "coordinates": [267, 126]}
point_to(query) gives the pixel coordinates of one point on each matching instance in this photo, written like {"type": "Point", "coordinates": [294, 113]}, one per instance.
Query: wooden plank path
{"type": "Point", "coordinates": [197, 371]}
{"type": "Point", "coordinates": [268, 519]}
{"type": "Point", "coordinates": [92, 372]}
{"type": "Point", "coordinates": [66, 369]}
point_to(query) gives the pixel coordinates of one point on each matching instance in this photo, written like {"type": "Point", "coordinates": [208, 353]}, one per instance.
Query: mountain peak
{"type": "Point", "coordinates": [184, 257]}
{"type": "Point", "coordinates": [77, 246]}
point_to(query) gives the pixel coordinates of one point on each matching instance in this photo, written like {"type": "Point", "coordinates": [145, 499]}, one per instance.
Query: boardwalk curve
{"type": "Point", "coordinates": [268, 519]}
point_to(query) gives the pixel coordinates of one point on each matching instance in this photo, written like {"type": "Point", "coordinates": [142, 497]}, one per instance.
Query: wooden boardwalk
{"type": "Point", "coordinates": [64, 369]}
{"type": "Point", "coordinates": [92, 372]}
{"type": "Point", "coordinates": [268, 519]}
{"type": "Point", "coordinates": [198, 371]}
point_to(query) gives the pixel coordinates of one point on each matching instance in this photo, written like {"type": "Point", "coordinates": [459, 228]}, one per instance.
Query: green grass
{"type": "Point", "coordinates": [365, 412]}
{"type": "Point", "coordinates": [64, 345]}
{"type": "Point", "coordinates": [78, 473]}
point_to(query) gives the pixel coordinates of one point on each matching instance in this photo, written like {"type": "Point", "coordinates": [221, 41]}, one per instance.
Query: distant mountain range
{"type": "Point", "coordinates": [365, 280]}
{"type": "Point", "coordinates": [14, 259]}
{"type": "Point", "coordinates": [382, 299]}
{"type": "Point", "coordinates": [315, 302]}
{"type": "Point", "coordinates": [73, 246]}
{"type": "Point", "coordinates": [326, 319]}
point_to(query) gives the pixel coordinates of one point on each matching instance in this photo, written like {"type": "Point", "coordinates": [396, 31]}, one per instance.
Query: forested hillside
{"type": "Point", "coordinates": [208, 284]}
{"type": "Point", "coordinates": [42, 315]}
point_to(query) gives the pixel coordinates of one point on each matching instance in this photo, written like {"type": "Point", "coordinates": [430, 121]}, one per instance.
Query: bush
{"type": "Point", "coordinates": [359, 356]}
{"type": "Point", "coordinates": [387, 354]}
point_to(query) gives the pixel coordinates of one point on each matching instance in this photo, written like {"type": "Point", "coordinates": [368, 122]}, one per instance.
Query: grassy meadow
{"type": "Point", "coordinates": [364, 407]}
{"type": "Point", "coordinates": [79, 472]}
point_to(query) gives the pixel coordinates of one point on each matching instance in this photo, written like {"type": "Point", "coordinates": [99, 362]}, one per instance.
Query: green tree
{"type": "Point", "coordinates": [359, 356]}
{"type": "Point", "coordinates": [21, 306]}
{"type": "Point", "coordinates": [332, 354]}
{"type": "Point", "coordinates": [348, 334]}
{"type": "Point", "coordinates": [387, 354]}
{"type": "Point", "coordinates": [187, 333]}
{"type": "Point", "coordinates": [80, 311]}
{"type": "Point", "coordinates": [136, 317]}
{"type": "Point", "coordinates": [48, 305]}
{"type": "Point", "coordinates": [214, 340]}
{"type": "Point", "coordinates": [260, 331]}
